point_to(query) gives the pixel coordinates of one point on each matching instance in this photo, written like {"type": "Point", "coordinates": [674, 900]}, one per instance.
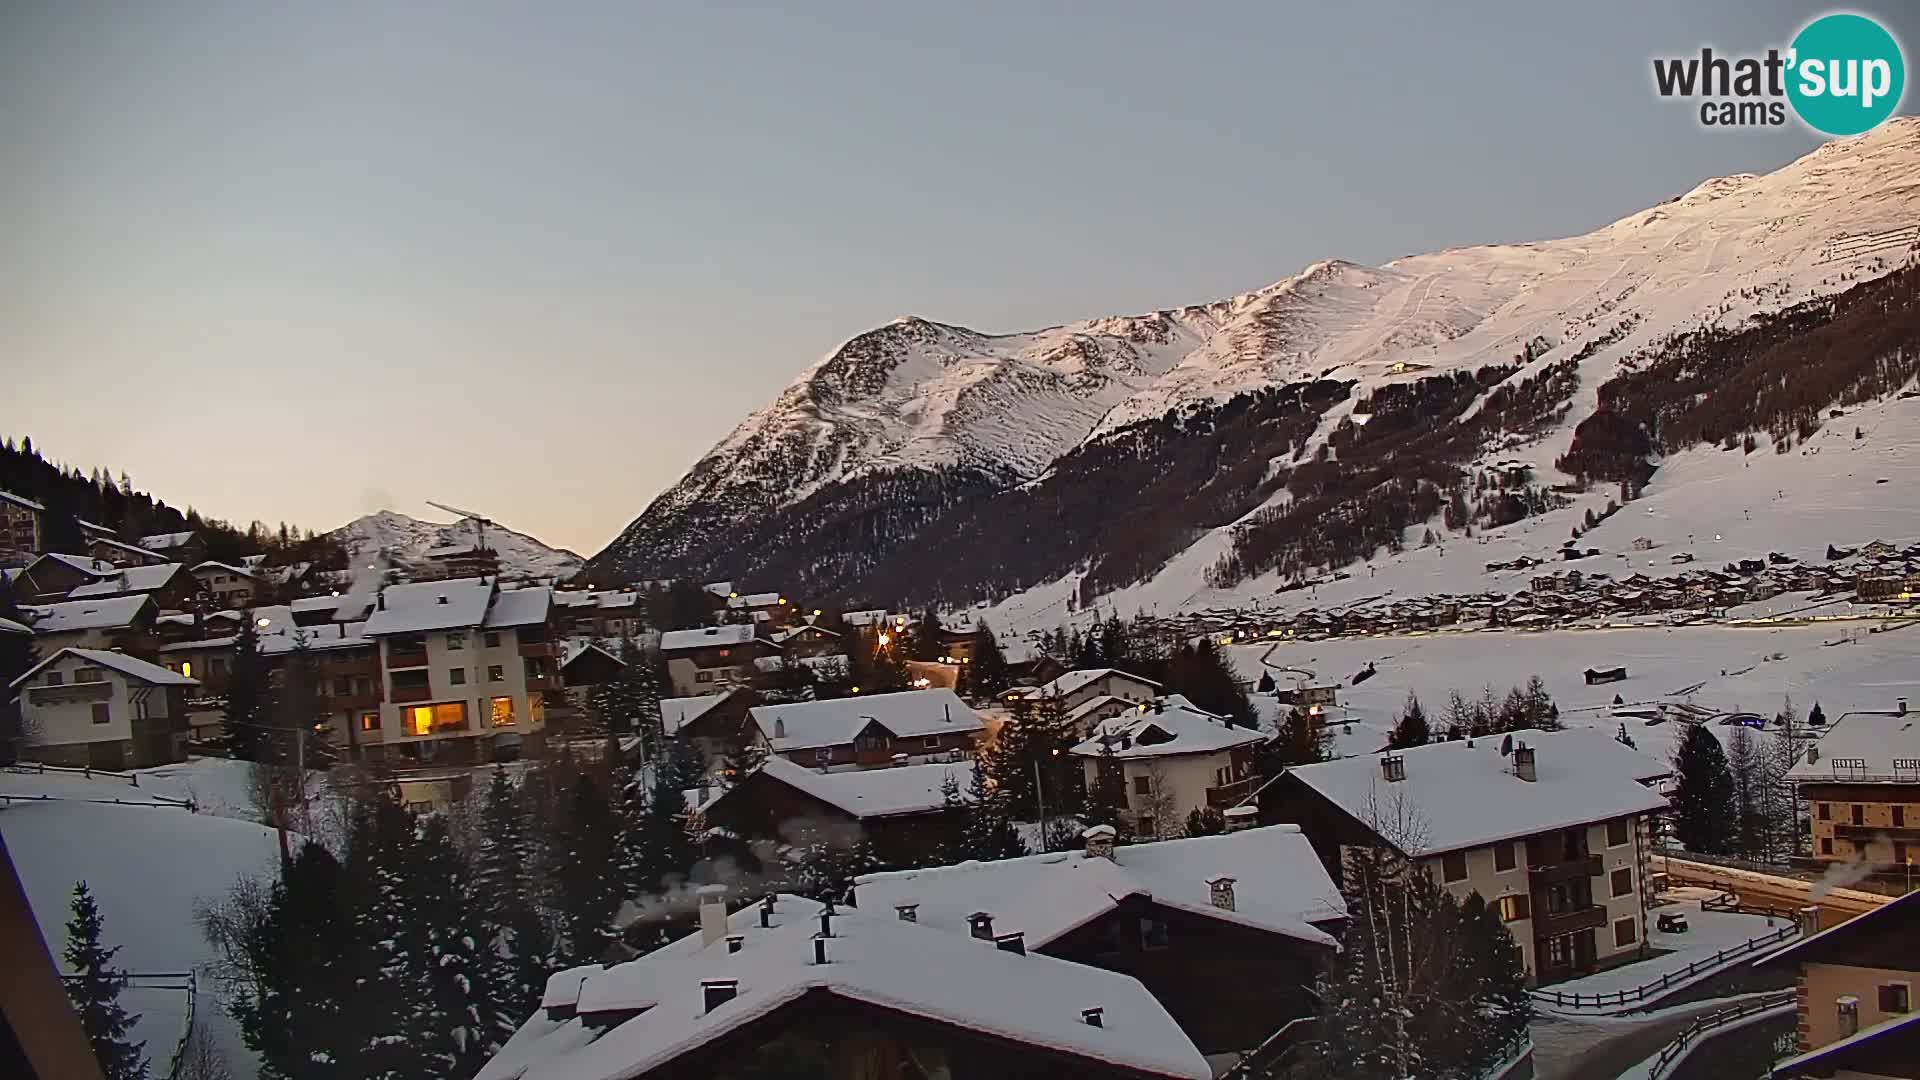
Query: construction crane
{"type": "Point", "coordinates": [480, 521]}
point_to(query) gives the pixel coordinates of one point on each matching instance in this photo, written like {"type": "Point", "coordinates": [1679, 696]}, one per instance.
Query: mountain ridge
{"type": "Point", "coordinates": [407, 539]}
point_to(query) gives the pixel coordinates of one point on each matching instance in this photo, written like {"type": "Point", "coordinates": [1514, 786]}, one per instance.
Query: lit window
{"type": "Point", "coordinates": [496, 673]}
{"type": "Point", "coordinates": [420, 720]}
{"type": "Point", "coordinates": [186, 668]}
{"type": "Point", "coordinates": [502, 712]}
{"type": "Point", "coordinates": [370, 721]}
{"type": "Point", "coordinates": [536, 709]}
{"type": "Point", "coordinates": [1514, 908]}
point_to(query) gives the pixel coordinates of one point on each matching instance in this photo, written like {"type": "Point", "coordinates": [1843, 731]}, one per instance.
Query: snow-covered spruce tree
{"type": "Point", "coordinates": [668, 850]}
{"type": "Point", "coordinates": [1502, 1008]}
{"type": "Point", "coordinates": [302, 955]}
{"type": "Point", "coordinates": [1749, 785]}
{"type": "Point", "coordinates": [95, 989]}
{"type": "Point", "coordinates": [391, 1006]}
{"type": "Point", "coordinates": [925, 643]}
{"type": "Point", "coordinates": [1412, 730]}
{"type": "Point", "coordinates": [504, 887]}
{"type": "Point", "coordinates": [463, 1007]}
{"type": "Point", "coordinates": [583, 885]}
{"type": "Point", "coordinates": [248, 699]}
{"type": "Point", "coordinates": [1705, 805]}
{"type": "Point", "coordinates": [988, 673]}
{"type": "Point", "coordinates": [988, 832]}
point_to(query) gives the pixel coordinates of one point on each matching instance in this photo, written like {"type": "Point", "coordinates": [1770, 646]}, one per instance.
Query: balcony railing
{"type": "Point", "coordinates": [1569, 922]}
{"type": "Point", "coordinates": [1565, 870]}
{"type": "Point", "coordinates": [400, 658]}
{"type": "Point", "coordinates": [1228, 795]}
{"type": "Point", "coordinates": [404, 694]}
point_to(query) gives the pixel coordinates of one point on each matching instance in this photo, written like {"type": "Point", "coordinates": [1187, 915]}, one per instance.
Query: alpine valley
{"type": "Point", "coordinates": [1508, 395]}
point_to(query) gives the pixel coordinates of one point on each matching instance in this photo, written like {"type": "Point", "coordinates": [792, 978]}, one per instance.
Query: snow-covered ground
{"type": "Point", "coordinates": [1708, 932]}
{"type": "Point", "coordinates": [147, 865]}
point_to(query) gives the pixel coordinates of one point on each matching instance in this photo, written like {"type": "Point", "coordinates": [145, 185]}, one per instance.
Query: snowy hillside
{"type": "Point", "coordinates": [408, 540]}
{"type": "Point", "coordinates": [983, 412]}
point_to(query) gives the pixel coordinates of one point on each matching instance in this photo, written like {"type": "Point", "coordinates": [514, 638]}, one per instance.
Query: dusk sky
{"type": "Point", "coordinates": [304, 261]}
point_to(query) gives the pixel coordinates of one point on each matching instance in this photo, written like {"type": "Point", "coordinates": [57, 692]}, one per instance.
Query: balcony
{"type": "Point", "coordinates": [405, 658]}
{"type": "Point", "coordinates": [1543, 875]}
{"type": "Point", "coordinates": [538, 648]}
{"type": "Point", "coordinates": [1227, 795]}
{"type": "Point", "coordinates": [1568, 922]}
{"type": "Point", "coordinates": [405, 694]}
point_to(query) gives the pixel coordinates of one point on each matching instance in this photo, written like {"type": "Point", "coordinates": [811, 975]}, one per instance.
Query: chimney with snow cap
{"type": "Point", "coordinates": [907, 912]}
{"type": "Point", "coordinates": [1524, 763]}
{"type": "Point", "coordinates": [1015, 943]}
{"type": "Point", "coordinates": [713, 913]}
{"type": "Point", "coordinates": [1393, 768]}
{"type": "Point", "coordinates": [819, 950]}
{"type": "Point", "coordinates": [1241, 817]}
{"type": "Point", "coordinates": [1220, 891]}
{"type": "Point", "coordinates": [1099, 840]}
{"type": "Point", "coordinates": [717, 992]}
{"type": "Point", "coordinates": [980, 923]}
{"type": "Point", "coordinates": [735, 941]}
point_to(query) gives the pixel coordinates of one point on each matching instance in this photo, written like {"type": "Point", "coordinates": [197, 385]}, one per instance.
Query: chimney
{"type": "Point", "coordinates": [981, 924]}
{"type": "Point", "coordinates": [766, 912]}
{"type": "Point", "coordinates": [907, 912]}
{"type": "Point", "coordinates": [1524, 764]}
{"type": "Point", "coordinates": [1099, 840]}
{"type": "Point", "coordinates": [717, 992]}
{"type": "Point", "coordinates": [1220, 891]}
{"type": "Point", "coordinates": [380, 598]}
{"type": "Point", "coordinates": [779, 727]}
{"type": "Point", "coordinates": [734, 941]}
{"type": "Point", "coordinates": [441, 599]}
{"type": "Point", "coordinates": [1094, 1017]}
{"type": "Point", "coordinates": [713, 913]}
{"type": "Point", "coordinates": [1809, 920]}
{"type": "Point", "coordinates": [1242, 817]}
{"type": "Point", "coordinates": [1900, 707]}
{"type": "Point", "coordinates": [826, 923]}
{"type": "Point", "coordinates": [1015, 943]}
{"type": "Point", "coordinates": [1813, 753]}
{"type": "Point", "coordinates": [819, 950]}
{"type": "Point", "coordinates": [1393, 768]}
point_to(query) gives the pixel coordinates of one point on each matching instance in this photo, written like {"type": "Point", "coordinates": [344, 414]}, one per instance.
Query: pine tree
{"type": "Point", "coordinates": [989, 667]}
{"type": "Point", "coordinates": [248, 699]}
{"type": "Point", "coordinates": [390, 1004]}
{"type": "Point", "coordinates": [987, 832]}
{"type": "Point", "coordinates": [1266, 684]}
{"type": "Point", "coordinates": [925, 643]}
{"type": "Point", "coordinates": [95, 989]}
{"type": "Point", "coordinates": [302, 954]}
{"type": "Point", "coordinates": [1205, 821]}
{"type": "Point", "coordinates": [1502, 1009]}
{"type": "Point", "coordinates": [668, 850]}
{"type": "Point", "coordinates": [1705, 804]}
{"type": "Point", "coordinates": [1412, 729]}
{"type": "Point", "coordinates": [584, 882]}
{"type": "Point", "coordinates": [1816, 716]}
{"type": "Point", "coordinates": [518, 940]}
{"type": "Point", "coordinates": [463, 1008]}
{"type": "Point", "coordinates": [1200, 672]}
{"type": "Point", "coordinates": [1749, 783]}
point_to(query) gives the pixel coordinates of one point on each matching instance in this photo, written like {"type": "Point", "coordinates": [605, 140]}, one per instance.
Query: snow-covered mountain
{"type": "Point", "coordinates": [408, 539]}
{"type": "Point", "coordinates": [993, 411]}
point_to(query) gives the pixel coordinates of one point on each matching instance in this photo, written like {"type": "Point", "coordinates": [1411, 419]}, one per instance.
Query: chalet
{"type": "Point", "coordinates": [1553, 829]}
{"type": "Point", "coordinates": [1876, 585]}
{"type": "Point", "coordinates": [21, 523]}
{"type": "Point", "coordinates": [228, 586]}
{"type": "Point", "coordinates": [463, 662]}
{"type": "Point", "coordinates": [1037, 671]}
{"type": "Point", "coordinates": [1083, 719]}
{"type": "Point", "coordinates": [900, 811]}
{"type": "Point", "coordinates": [710, 658]}
{"type": "Point", "coordinates": [120, 553]}
{"type": "Point", "coordinates": [1323, 695]}
{"type": "Point", "coordinates": [1226, 931]}
{"type": "Point", "coordinates": [960, 643]}
{"type": "Point", "coordinates": [1075, 688]}
{"type": "Point", "coordinates": [854, 994]}
{"type": "Point", "coordinates": [182, 547]}
{"type": "Point", "coordinates": [170, 585]}
{"type": "Point", "coordinates": [1877, 549]}
{"type": "Point", "coordinates": [587, 664]}
{"type": "Point", "coordinates": [101, 709]}
{"type": "Point", "coordinates": [122, 622]}
{"type": "Point", "coordinates": [1855, 996]}
{"type": "Point", "coordinates": [869, 729]}
{"type": "Point", "coordinates": [717, 724]}
{"type": "Point", "coordinates": [1597, 675]}
{"type": "Point", "coordinates": [1861, 782]}
{"type": "Point", "coordinates": [1169, 761]}
{"type": "Point", "coordinates": [601, 613]}
{"type": "Point", "coordinates": [766, 608]}
{"type": "Point", "coordinates": [809, 640]}
{"type": "Point", "coordinates": [53, 575]}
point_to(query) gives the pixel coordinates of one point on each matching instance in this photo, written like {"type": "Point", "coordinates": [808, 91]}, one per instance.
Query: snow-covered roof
{"type": "Point", "coordinates": [1091, 705]}
{"type": "Point", "coordinates": [18, 500]}
{"type": "Point", "coordinates": [87, 614]}
{"type": "Point", "coordinates": [789, 634]}
{"type": "Point", "coordinates": [419, 606]}
{"type": "Point", "coordinates": [8, 626]}
{"type": "Point", "coordinates": [519, 607]}
{"type": "Point", "coordinates": [702, 637]}
{"type": "Point", "coordinates": [132, 667]}
{"type": "Point", "coordinates": [1173, 730]}
{"type": "Point", "coordinates": [1280, 885]}
{"type": "Point", "coordinates": [1464, 794]}
{"type": "Point", "coordinates": [678, 712]}
{"type": "Point", "coordinates": [96, 568]}
{"type": "Point", "coordinates": [576, 649]}
{"type": "Point", "coordinates": [871, 793]}
{"type": "Point", "coordinates": [133, 579]}
{"type": "Point", "coordinates": [212, 565]}
{"type": "Point", "coordinates": [1029, 1000]}
{"type": "Point", "coordinates": [806, 724]}
{"type": "Point", "coordinates": [131, 549]}
{"type": "Point", "coordinates": [1827, 1060]}
{"type": "Point", "coordinates": [164, 541]}
{"type": "Point", "coordinates": [754, 600]}
{"type": "Point", "coordinates": [831, 664]}
{"type": "Point", "coordinates": [1074, 680]}
{"type": "Point", "coordinates": [316, 603]}
{"type": "Point", "coordinates": [721, 589]}
{"type": "Point", "coordinates": [869, 617]}
{"type": "Point", "coordinates": [1866, 746]}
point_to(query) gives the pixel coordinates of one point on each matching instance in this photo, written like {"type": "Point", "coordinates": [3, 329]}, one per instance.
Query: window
{"type": "Point", "coordinates": [1896, 997]}
{"type": "Point", "coordinates": [1826, 845]}
{"type": "Point", "coordinates": [1514, 908]}
{"type": "Point", "coordinates": [703, 676]}
{"type": "Point", "coordinates": [87, 674]}
{"type": "Point", "coordinates": [1859, 814]}
{"type": "Point", "coordinates": [457, 676]}
{"type": "Point", "coordinates": [369, 721]}
{"type": "Point", "coordinates": [186, 668]}
{"type": "Point", "coordinates": [1622, 882]}
{"type": "Point", "coordinates": [55, 678]}
{"type": "Point", "coordinates": [932, 743]}
{"type": "Point", "coordinates": [102, 712]}
{"type": "Point", "coordinates": [492, 639]}
{"type": "Point", "coordinates": [1154, 934]}
{"type": "Point", "coordinates": [1848, 1008]}
{"type": "Point", "coordinates": [503, 712]}
{"type": "Point", "coordinates": [1616, 833]}
{"type": "Point", "coordinates": [1826, 811]}
{"type": "Point", "coordinates": [1503, 856]}
{"type": "Point", "coordinates": [1453, 866]}
{"type": "Point", "coordinates": [496, 673]}
{"type": "Point", "coordinates": [342, 685]}
{"type": "Point", "coordinates": [1142, 785]}
{"type": "Point", "coordinates": [456, 642]}
{"type": "Point", "coordinates": [1149, 827]}
{"type": "Point", "coordinates": [1625, 933]}
{"type": "Point", "coordinates": [1559, 951]}
{"type": "Point", "coordinates": [429, 719]}
{"type": "Point", "coordinates": [1899, 817]}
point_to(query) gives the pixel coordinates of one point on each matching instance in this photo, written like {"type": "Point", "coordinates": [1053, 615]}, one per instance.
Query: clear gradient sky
{"type": "Point", "coordinates": [300, 261]}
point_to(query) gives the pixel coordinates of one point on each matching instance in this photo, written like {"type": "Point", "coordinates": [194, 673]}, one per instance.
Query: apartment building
{"type": "Point", "coordinates": [708, 659]}
{"type": "Point", "coordinates": [101, 709]}
{"type": "Point", "coordinates": [21, 526]}
{"type": "Point", "coordinates": [463, 663]}
{"type": "Point", "coordinates": [1854, 985]}
{"type": "Point", "coordinates": [1861, 782]}
{"type": "Point", "coordinates": [1168, 759]}
{"type": "Point", "coordinates": [1552, 829]}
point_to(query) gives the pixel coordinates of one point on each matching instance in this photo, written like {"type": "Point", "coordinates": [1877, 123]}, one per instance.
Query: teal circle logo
{"type": "Point", "coordinates": [1847, 74]}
